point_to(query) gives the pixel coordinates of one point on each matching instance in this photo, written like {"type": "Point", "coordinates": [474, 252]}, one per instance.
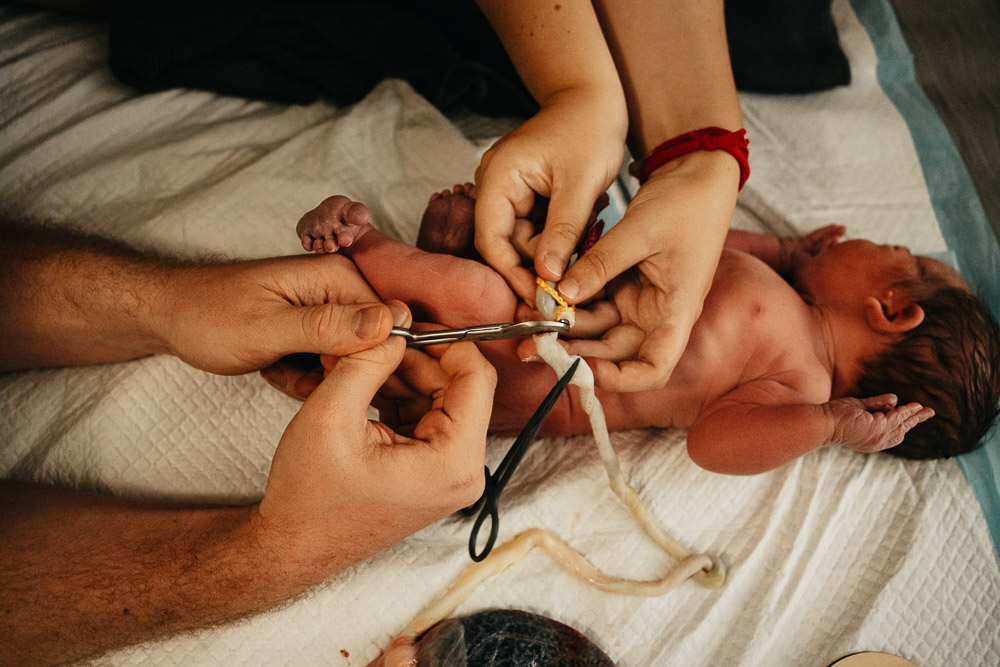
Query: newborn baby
{"type": "Point", "coordinates": [802, 342]}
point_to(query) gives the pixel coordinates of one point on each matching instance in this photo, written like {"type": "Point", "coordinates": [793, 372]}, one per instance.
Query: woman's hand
{"type": "Point", "coordinates": [673, 233]}
{"type": "Point", "coordinates": [568, 153]}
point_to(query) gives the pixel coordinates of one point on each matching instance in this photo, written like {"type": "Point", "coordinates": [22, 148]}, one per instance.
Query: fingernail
{"type": "Point", "coordinates": [400, 313]}
{"type": "Point", "coordinates": [367, 322]}
{"type": "Point", "coordinates": [554, 265]}
{"type": "Point", "coordinates": [569, 289]}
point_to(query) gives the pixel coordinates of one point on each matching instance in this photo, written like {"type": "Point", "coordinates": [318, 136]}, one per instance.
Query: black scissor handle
{"type": "Point", "coordinates": [495, 483]}
{"type": "Point", "coordinates": [478, 505]}
{"type": "Point", "coordinates": [489, 509]}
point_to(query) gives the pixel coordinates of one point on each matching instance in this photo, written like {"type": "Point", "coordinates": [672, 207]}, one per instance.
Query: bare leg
{"type": "Point", "coordinates": [448, 223]}
{"type": "Point", "coordinates": [437, 287]}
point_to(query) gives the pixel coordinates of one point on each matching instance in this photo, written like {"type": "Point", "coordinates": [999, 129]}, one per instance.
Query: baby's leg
{"type": "Point", "coordinates": [336, 223]}
{"type": "Point", "coordinates": [441, 288]}
{"type": "Point", "coordinates": [448, 223]}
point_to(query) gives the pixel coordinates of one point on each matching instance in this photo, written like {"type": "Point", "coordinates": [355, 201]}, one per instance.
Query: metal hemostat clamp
{"type": "Point", "coordinates": [500, 331]}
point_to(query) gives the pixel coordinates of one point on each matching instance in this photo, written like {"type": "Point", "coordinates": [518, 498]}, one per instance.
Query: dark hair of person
{"type": "Point", "coordinates": [950, 362]}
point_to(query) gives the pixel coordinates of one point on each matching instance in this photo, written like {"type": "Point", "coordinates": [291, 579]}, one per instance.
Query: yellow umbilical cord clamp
{"type": "Point", "coordinates": [548, 289]}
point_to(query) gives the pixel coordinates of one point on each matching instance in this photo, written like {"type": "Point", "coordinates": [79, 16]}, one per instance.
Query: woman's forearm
{"type": "Point", "coordinates": [673, 61]}
{"type": "Point", "coordinates": [556, 46]}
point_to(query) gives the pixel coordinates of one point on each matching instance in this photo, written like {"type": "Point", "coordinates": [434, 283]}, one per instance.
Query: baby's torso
{"type": "Point", "coordinates": [753, 325]}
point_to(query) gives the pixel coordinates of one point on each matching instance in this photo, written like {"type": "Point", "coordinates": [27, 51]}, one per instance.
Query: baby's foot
{"type": "Point", "coordinates": [336, 223]}
{"type": "Point", "coordinates": [448, 224]}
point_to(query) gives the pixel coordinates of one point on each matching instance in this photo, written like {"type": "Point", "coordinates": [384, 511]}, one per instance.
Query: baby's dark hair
{"type": "Point", "coordinates": [950, 362]}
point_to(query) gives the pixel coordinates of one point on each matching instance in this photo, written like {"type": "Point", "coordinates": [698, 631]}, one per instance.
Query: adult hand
{"type": "Point", "coordinates": [342, 487]}
{"type": "Point", "coordinates": [569, 153]}
{"type": "Point", "coordinates": [240, 317]}
{"type": "Point", "coordinates": [672, 233]}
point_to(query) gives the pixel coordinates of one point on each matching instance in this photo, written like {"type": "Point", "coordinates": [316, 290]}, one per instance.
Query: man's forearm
{"type": "Point", "coordinates": [673, 61]}
{"type": "Point", "coordinates": [74, 300]}
{"type": "Point", "coordinates": [82, 573]}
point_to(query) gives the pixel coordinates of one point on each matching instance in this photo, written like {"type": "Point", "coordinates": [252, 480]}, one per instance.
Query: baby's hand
{"type": "Point", "coordinates": [336, 223]}
{"type": "Point", "coordinates": [873, 424]}
{"type": "Point", "coordinates": [796, 249]}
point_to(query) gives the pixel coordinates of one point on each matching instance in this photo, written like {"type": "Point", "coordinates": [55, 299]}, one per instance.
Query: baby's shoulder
{"type": "Point", "coordinates": [746, 287]}
{"type": "Point", "coordinates": [773, 324]}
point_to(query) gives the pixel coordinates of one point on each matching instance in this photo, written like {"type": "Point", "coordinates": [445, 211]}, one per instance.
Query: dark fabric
{"type": "Point", "coordinates": [785, 46]}
{"type": "Point", "coordinates": [304, 50]}
{"type": "Point", "coordinates": [300, 51]}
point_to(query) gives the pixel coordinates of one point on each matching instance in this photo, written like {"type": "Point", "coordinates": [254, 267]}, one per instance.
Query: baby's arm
{"type": "Point", "coordinates": [784, 253]}
{"type": "Point", "coordinates": [765, 424]}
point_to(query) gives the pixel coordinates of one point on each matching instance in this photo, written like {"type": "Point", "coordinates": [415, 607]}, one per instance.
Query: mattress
{"type": "Point", "coordinates": [832, 554]}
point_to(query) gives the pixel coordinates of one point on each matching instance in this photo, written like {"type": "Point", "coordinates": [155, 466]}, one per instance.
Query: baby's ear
{"type": "Point", "coordinates": [893, 312]}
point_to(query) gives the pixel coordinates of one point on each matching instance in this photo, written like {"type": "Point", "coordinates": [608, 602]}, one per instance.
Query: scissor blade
{"type": "Point", "coordinates": [530, 430]}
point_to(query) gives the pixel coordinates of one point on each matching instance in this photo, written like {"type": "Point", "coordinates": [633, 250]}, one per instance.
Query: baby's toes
{"type": "Point", "coordinates": [357, 214]}
{"type": "Point", "coordinates": [343, 235]}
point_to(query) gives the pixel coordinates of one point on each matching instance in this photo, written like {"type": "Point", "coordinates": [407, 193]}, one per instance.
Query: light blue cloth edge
{"type": "Point", "coordinates": [959, 213]}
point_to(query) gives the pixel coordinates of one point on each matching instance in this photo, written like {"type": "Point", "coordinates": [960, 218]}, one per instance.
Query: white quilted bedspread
{"type": "Point", "coordinates": [833, 554]}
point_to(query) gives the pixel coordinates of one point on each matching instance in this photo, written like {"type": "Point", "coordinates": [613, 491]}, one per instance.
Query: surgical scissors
{"type": "Point", "coordinates": [495, 483]}
{"type": "Point", "coordinates": [500, 331]}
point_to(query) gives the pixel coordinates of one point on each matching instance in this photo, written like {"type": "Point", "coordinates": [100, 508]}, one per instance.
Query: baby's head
{"type": "Point", "coordinates": [949, 362]}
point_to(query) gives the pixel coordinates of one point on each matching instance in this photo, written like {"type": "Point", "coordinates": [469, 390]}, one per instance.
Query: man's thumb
{"type": "Point", "coordinates": [340, 330]}
{"type": "Point", "coordinates": [348, 390]}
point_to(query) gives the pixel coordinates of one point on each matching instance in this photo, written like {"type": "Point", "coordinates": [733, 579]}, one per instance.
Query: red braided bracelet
{"type": "Point", "coordinates": [705, 139]}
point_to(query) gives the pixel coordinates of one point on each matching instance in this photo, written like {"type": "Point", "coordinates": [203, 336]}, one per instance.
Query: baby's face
{"type": "Point", "coordinates": [859, 267]}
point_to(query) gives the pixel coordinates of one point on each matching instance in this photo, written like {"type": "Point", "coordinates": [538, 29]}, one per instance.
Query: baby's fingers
{"type": "Point", "coordinates": [881, 403]}
{"type": "Point", "coordinates": [899, 422]}
{"type": "Point", "coordinates": [912, 414]}
{"type": "Point", "coordinates": [828, 235]}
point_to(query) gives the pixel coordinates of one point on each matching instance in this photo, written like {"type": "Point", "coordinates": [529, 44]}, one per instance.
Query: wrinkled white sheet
{"type": "Point", "coordinates": [832, 554]}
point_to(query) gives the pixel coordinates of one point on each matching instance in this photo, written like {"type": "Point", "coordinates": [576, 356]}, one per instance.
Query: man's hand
{"type": "Point", "coordinates": [86, 300]}
{"type": "Point", "coordinates": [241, 317]}
{"type": "Point", "coordinates": [342, 487]}
{"type": "Point", "coordinates": [873, 424]}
